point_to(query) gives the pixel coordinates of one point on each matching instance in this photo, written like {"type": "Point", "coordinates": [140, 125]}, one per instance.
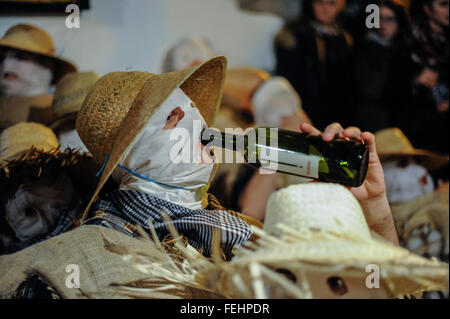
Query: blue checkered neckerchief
{"type": "Point", "coordinates": [64, 224]}
{"type": "Point", "coordinates": [122, 209]}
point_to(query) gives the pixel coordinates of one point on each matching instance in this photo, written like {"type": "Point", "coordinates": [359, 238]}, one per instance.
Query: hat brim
{"type": "Point", "coordinates": [411, 274]}
{"type": "Point", "coordinates": [62, 66]}
{"type": "Point", "coordinates": [429, 160]}
{"type": "Point", "coordinates": [202, 83]}
{"type": "Point", "coordinates": [35, 157]}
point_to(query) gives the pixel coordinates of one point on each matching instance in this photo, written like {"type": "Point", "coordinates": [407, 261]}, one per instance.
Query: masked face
{"type": "Point", "coordinates": [35, 208]}
{"type": "Point", "coordinates": [22, 75]}
{"type": "Point", "coordinates": [406, 180]}
{"type": "Point", "coordinates": [169, 150]}
{"type": "Point", "coordinates": [338, 286]}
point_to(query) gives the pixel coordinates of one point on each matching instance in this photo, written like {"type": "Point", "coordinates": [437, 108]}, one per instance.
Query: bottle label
{"type": "Point", "coordinates": [293, 163]}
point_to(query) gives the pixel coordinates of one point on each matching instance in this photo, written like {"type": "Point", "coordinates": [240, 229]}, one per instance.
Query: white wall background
{"type": "Point", "coordinates": [120, 35]}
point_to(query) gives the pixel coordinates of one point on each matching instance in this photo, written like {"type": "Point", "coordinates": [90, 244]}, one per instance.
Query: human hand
{"type": "Point", "coordinates": [428, 77]}
{"type": "Point", "coordinates": [372, 193]}
{"type": "Point", "coordinates": [442, 107]}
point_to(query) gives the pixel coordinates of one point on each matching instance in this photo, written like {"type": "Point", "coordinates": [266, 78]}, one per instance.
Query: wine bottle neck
{"type": "Point", "coordinates": [234, 142]}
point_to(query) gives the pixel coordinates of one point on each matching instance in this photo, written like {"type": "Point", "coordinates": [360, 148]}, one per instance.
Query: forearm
{"type": "Point", "coordinates": [256, 194]}
{"type": "Point", "coordinates": [379, 218]}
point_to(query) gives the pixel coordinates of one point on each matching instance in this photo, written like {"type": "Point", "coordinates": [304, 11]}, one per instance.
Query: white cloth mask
{"type": "Point", "coordinates": [24, 78]}
{"type": "Point", "coordinates": [275, 99]}
{"type": "Point", "coordinates": [71, 139]}
{"type": "Point", "coordinates": [157, 156]}
{"type": "Point", "coordinates": [406, 183]}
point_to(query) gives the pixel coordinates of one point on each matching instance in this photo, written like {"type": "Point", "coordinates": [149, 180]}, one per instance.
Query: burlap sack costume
{"type": "Point", "coordinates": [100, 254]}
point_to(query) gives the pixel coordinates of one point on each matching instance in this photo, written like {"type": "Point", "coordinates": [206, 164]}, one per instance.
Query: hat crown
{"type": "Point", "coordinates": [241, 83]}
{"type": "Point", "coordinates": [29, 37]}
{"type": "Point", "coordinates": [321, 208]}
{"type": "Point", "coordinates": [71, 91]}
{"type": "Point", "coordinates": [104, 109]}
{"type": "Point", "coordinates": [20, 138]}
{"type": "Point", "coordinates": [392, 140]}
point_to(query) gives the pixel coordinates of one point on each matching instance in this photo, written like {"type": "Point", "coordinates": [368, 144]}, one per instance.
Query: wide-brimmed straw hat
{"type": "Point", "coordinates": [393, 143]}
{"type": "Point", "coordinates": [120, 105]}
{"type": "Point", "coordinates": [31, 39]}
{"type": "Point", "coordinates": [69, 95]}
{"type": "Point", "coordinates": [321, 228]}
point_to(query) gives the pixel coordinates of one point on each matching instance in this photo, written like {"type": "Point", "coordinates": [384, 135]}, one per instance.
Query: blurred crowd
{"type": "Point", "coordinates": [392, 76]}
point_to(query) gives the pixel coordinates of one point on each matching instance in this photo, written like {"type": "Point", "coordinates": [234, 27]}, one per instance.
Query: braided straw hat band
{"type": "Point", "coordinates": [121, 104]}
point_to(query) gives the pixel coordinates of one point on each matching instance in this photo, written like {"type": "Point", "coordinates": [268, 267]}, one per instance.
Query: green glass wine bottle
{"type": "Point", "coordinates": [343, 161]}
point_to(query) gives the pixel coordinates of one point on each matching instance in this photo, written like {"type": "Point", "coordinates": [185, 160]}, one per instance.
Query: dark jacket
{"type": "Point", "coordinates": [319, 67]}
{"type": "Point", "coordinates": [384, 75]}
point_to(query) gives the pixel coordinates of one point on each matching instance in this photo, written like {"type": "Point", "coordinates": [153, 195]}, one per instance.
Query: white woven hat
{"type": "Point", "coordinates": [320, 228]}
{"type": "Point", "coordinates": [274, 99]}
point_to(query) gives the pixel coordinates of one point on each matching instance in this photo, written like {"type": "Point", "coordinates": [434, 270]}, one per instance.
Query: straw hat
{"type": "Point", "coordinates": [36, 144]}
{"type": "Point", "coordinates": [392, 143]}
{"type": "Point", "coordinates": [31, 39]}
{"type": "Point", "coordinates": [241, 84]}
{"type": "Point", "coordinates": [19, 139]}
{"type": "Point", "coordinates": [321, 228]}
{"type": "Point", "coordinates": [121, 104]}
{"type": "Point", "coordinates": [69, 95]}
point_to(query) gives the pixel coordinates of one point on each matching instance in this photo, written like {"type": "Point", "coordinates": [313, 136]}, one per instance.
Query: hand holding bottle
{"type": "Point", "coordinates": [372, 193]}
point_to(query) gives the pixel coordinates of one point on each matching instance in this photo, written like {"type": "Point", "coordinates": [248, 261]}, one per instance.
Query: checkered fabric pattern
{"type": "Point", "coordinates": [123, 208]}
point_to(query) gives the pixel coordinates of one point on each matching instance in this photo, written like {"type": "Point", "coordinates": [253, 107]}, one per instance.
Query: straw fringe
{"type": "Point", "coordinates": [229, 278]}
{"type": "Point", "coordinates": [33, 156]}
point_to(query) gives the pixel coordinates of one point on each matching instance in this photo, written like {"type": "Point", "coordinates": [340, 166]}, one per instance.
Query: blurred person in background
{"type": "Point", "coordinates": [315, 55]}
{"type": "Point", "coordinates": [431, 91]}
{"type": "Point", "coordinates": [430, 53]}
{"type": "Point", "coordinates": [384, 70]}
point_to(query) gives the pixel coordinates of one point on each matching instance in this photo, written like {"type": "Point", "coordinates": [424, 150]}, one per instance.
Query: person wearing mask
{"type": "Point", "coordinates": [28, 68]}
